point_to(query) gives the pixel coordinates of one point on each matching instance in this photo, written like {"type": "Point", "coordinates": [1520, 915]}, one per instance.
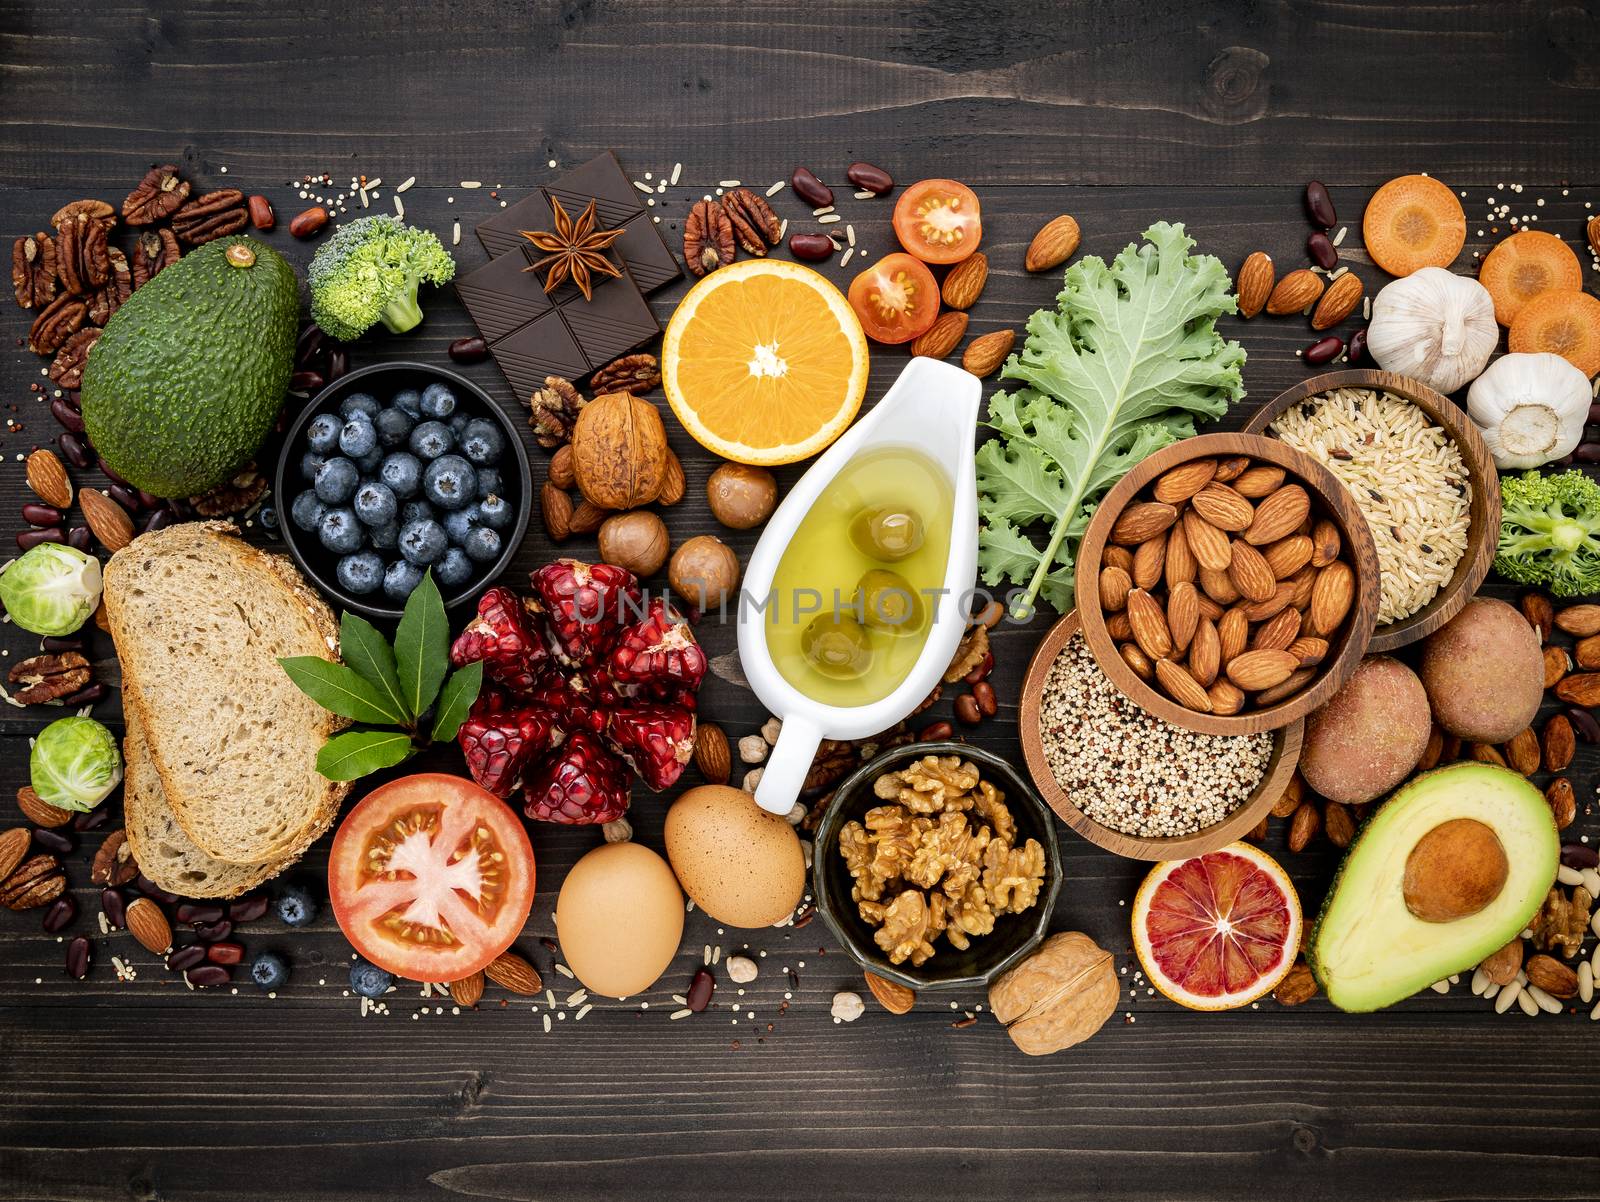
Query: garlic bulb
{"type": "Point", "coordinates": [1530, 409]}
{"type": "Point", "coordinates": [1434, 327]}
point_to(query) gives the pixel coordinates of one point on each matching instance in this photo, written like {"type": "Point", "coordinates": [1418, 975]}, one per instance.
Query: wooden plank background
{"type": "Point", "coordinates": [1121, 114]}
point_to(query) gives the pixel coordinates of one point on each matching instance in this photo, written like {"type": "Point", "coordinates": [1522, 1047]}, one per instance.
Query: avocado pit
{"type": "Point", "coordinates": [1454, 871]}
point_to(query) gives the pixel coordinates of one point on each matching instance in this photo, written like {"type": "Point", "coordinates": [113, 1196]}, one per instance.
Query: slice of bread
{"type": "Point", "coordinates": [164, 852]}
{"type": "Point", "coordinates": [199, 619]}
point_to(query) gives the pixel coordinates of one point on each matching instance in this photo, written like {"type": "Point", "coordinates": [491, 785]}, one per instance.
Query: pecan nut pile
{"type": "Point", "coordinates": [213, 215]}
{"type": "Point", "coordinates": [83, 256]}
{"type": "Point", "coordinates": [33, 269]}
{"type": "Point", "coordinates": [59, 320]}
{"type": "Point", "coordinates": [66, 369]}
{"type": "Point", "coordinates": [108, 298]}
{"type": "Point", "coordinates": [707, 237]}
{"type": "Point", "coordinates": [157, 196]}
{"type": "Point", "coordinates": [153, 251]}
{"type": "Point", "coordinates": [637, 374]}
{"type": "Point", "coordinates": [755, 225]}
{"type": "Point", "coordinates": [37, 881]}
{"type": "Point", "coordinates": [42, 678]}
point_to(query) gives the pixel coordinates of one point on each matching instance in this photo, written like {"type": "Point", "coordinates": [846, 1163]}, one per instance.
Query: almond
{"type": "Point", "coordinates": [1540, 613]}
{"type": "Point", "coordinates": [1180, 564]}
{"type": "Point", "coordinates": [964, 284]}
{"type": "Point", "coordinates": [1325, 543]}
{"type": "Point", "coordinates": [1182, 687]}
{"type": "Point", "coordinates": [555, 507]}
{"type": "Point", "coordinates": [1209, 609]}
{"type": "Point", "coordinates": [1563, 802]}
{"type": "Point", "coordinates": [1581, 621]}
{"type": "Point", "coordinates": [1309, 651]}
{"type": "Point", "coordinates": [562, 474]}
{"type": "Point", "coordinates": [1253, 671]}
{"type": "Point", "coordinates": [468, 990]}
{"type": "Point", "coordinates": [1183, 614]}
{"type": "Point", "coordinates": [1210, 546]}
{"type": "Point", "coordinates": [711, 754]}
{"type": "Point", "coordinates": [14, 845]}
{"type": "Point", "coordinates": [108, 521]}
{"type": "Point", "coordinates": [1523, 753]}
{"type": "Point", "coordinates": [984, 355]}
{"type": "Point", "coordinates": [1488, 753]}
{"type": "Point", "coordinates": [1205, 653]}
{"type": "Point", "coordinates": [1433, 751]}
{"type": "Point", "coordinates": [1292, 684]}
{"type": "Point", "coordinates": [1114, 586]}
{"type": "Point", "coordinates": [939, 339]}
{"type": "Point", "coordinates": [1278, 515]}
{"type": "Point", "coordinates": [1278, 632]}
{"type": "Point", "coordinates": [1232, 468]}
{"type": "Point", "coordinates": [1586, 652]}
{"type": "Point", "coordinates": [1337, 821]}
{"type": "Point", "coordinates": [1233, 631]}
{"type": "Point", "coordinates": [1503, 966]}
{"type": "Point", "coordinates": [149, 926]}
{"type": "Point", "coordinates": [1593, 232]}
{"type": "Point", "coordinates": [1298, 986]}
{"type": "Point", "coordinates": [586, 519]}
{"type": "Point", "coordinates": [1118, 627]}
{"type": "Point", "coordinates": [40, 812]}
{"type": "Point", "coordinates": [1338, 302]}
{"type": "Point", "coordinates": [1255, 282]}
{"type": "Point", "coordinates": [1137, 660]}
{"type": "Point", "coordinates": [48, 478]}
{"type": "Point", "coordinates": [1149, 559]}
{"type": "Point", "coordinates": [1258, 481]}
{"type": "Point", "coordinates": [1283, 597]}
{"type": "Point", "coordinates": [1217, 587]}
{"type": "Point", "coordinates": [1293, 794]}
{"type": "Point", "coordinates": [1559, 744]}
{"type": "Point", "coordinates": [1331, 596]}
{"type": "Point", "coordinates": [1117, 557]}
{"type": "Point", "coordinates": [511, 972]}
{"type": "Point", "coordinates": [1222, 507]}
{"type": "Point", "coordinates": [1141, 521]}
{"type": "Point", "coordinates": [1176, 485]}
{"type": "Point", "coordinates": [1288, 555]}
{"type": "Point", "coordinates": [673, 484]}
{"type": "Point", "coordinates": [1302, 581]}
{"type": "Point", "coordinates": [1149, 624]}
{"type": "Point", "coordinates": [892, 996]}
{"type": "Point", "coordinates": [1552, 976]}
{"type": "Point", "coordinates": [1557, 663]}
{"type": "Point", "coordinates": [1250, 574]}
{"type": "Point", "coordinates": [1296, 291]}
{"type": "Point", "coordinates": [1303, 827]}
{"type": "Point", "coordinates": [1225, 698]}
{"type": "Point", "coordinates": [1053, 244]}
{"type": "Point", "coordinates": [1581, 688]}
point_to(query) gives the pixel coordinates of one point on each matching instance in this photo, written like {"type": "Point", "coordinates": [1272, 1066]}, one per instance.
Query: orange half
{"type": "Point", "coordinates": [764, 362]}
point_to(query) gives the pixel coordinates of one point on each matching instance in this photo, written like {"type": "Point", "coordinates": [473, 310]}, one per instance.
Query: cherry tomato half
{"type": "Point", "coordinates": [431, 877]}
{"type": "Point", "coordinates": [938, 220]}
{"type": "Point", "coordinates": [896, 298]}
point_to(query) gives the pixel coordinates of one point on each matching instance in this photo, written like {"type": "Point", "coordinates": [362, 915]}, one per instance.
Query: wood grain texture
{"type": "Point", "coordinates": [1213, 114]}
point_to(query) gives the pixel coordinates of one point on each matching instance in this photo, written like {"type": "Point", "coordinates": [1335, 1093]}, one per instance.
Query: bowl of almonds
{"type": "Point", "coordinates": [1228, 584]}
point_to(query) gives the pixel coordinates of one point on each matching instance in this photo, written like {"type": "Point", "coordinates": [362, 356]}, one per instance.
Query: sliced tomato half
{"type": "Point", "coordinates": [896, 298]}
{"type": "Point", "coordinates": [938, 220]}
{"type": "Point", "coordinates": [431, 877]}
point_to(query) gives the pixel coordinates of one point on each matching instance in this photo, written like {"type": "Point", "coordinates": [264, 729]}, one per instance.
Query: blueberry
{"type": "Point", "coordinates": [268, 516]}
{"type": "Point", "coordinates": [489, 482]}
{"type": "Point", "coordinates": [416, 511]}
{"type": "Point", "coordinates": [438, 400]}
{"type": "Point", "coordinates": [358, 437]}
{"type": "Point", "coordinates": [494, 511]}
{"type": "Point", "coordinates": [402, 472]}
{"type": "Point", "coordinates": [370, 463]}
{"type": "Point", "coordinates": [295, 905]}
{"type": "Point", "coordinates": [269, 971]}
{"type": "Point", "coordinates": [422, 542]}
{"type": "Point", "coordinates": [385, 537]}
{"type": "Point", "coordinates": [454, 569]}
{"type": "Point", "coordinates": [375, 504]}
{"type": "Point", "coordinates": [394, 427]}
{"type": "Point", "coordinates": [311, 463]}
{"type": "Point", "coordinates": [307, 511]}
{"type": "Point", "coordinates": [336, 481]}
{"type": "Point", "coordinates": [460, 523]}
{"type": "Point", "coordinates": [340, 532]}
{"type": "Point", "coordinates": [482, 545]}
{"type": "Point", "coordinates": [432, 439]}
{"type": "Point", "coordinates": [359, 402]}
{"type": "Point", "coordinates": [400, 578]}
{"type": "Point", "coordinates": [368, 980]}
{"type": "Point", "coordinates": [361, 573]}
{"type": "Point", "coordinates": [449, 482]}
{"type": "Point", "coordinates": [459, 423]}
{"type": "Point", "coordinates": [322, 433]}
{"type": "Point", "coordinates": [482, 442]}
{"type": "Point", "coordinates": [409, 401]}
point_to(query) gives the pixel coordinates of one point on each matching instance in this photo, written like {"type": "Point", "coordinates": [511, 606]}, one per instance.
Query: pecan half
{"type": "Point", "coordinates": [33, 269]}
{"type": "Point", "coordinates": [233, 496]}
{"type": "Point", "coordinates": [114, 863]}
{"type": "Point", "coordinates": [555, 411]}
{"type": "Point", "coordinates": [83, 256]}
{"type": "Point", "coordinates": [37, 881]}
{"type": "Point", "coordinates": [43, 678]}
{"type": "Point", "coordinates": [157, 195]}
{"type": "Point", "coordinates": [108, 298]}
{"type": "Point", "coordinates": [95, 210]}
{"type": "Point", "coordinates": [707, 237]}
{"type": "Point", "coordinates": [637, 374]}
{"type": "Point", "coordinates": [214, 215]}
{"type": "Point", "coordinates": [61, 319]}
{"type": "Point", "coordinates": [153, 251]}
{"type": "Point", "coordinates": [754, 223]}
{"type": "Point", "coordinates": [67, 367]}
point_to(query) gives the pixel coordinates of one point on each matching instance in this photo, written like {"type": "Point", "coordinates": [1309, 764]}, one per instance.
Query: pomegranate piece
{"type": "Point", "coordinates": [655, 740]}
{"type": "Point", "coordinates": [659, 652]}
{"type": "Point", "coordinates": [581, 784]}
{"type": "Point", "coordinates": [501, 737]}
{"type": "Point", "coordinates": [504, 637]}
{"type": "Point", "coordinates": [586, 604]}
{"type": "Point", "coordinates": [574, 704]}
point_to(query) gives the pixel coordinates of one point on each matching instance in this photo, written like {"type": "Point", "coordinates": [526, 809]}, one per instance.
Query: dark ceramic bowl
{"type": "Point", "coordinates": [1014, 935]}
{"type": "Point", "coordinates": [383, 380]}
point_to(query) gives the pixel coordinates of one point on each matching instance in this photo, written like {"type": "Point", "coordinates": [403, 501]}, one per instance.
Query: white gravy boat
{"type": "Point", "coordinates": [931, 408]}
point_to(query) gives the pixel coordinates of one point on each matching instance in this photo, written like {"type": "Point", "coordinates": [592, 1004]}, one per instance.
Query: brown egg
{"type": "Point", "coordinates": [741, 864]}
{"type": "Point", "coordinates": [619, 917]}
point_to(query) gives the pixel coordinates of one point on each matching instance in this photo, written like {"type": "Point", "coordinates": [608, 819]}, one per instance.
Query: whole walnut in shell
{"type": "Point", "coordinates": [619, 451]}
{"type": "Point", "coordinates": [1059, 996]}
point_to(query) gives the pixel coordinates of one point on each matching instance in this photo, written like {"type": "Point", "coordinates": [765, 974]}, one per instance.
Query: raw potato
{"type": "Point", "coordinates": [1370, 734]}
{"type": "Point", "coordinates": [1484, 672]}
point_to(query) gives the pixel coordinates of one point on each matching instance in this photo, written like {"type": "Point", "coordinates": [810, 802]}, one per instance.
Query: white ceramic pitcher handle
{"type": "Point", "coordinates": [786, 768]}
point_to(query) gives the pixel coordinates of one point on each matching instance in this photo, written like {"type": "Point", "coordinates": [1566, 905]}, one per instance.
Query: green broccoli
{"type": "Point", "coordinates": [1550, 532]}
{"type": "Point", "coordinates": [368, 272]}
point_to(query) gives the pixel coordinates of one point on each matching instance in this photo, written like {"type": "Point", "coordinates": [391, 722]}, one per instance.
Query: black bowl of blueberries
{"type": "Point", "coordinates": [395, 470]}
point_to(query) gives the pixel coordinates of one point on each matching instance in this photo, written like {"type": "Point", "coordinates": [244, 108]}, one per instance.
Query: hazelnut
{"type": "Point", "coordinates": [636, 540]}
{"type": "Point", "coordinates": [704, 572]}
{"type": "Point", "coordinates": [741, 496]}
{"type": "Point", "coordinates": [1059, 996]}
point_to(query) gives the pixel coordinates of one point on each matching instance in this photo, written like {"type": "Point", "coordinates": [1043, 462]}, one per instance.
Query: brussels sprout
{"type": "Point", "coordinates": [52, 589]}
{"type": "Point", "coordinates": [75, 764]}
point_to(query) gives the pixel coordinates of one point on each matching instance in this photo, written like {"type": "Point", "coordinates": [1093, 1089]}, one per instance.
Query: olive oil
{"type": "Point", "coordinates": [856, 588]}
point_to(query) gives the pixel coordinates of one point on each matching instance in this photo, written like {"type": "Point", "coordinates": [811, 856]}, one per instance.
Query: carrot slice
{"type": "Point", "coordinates": [1413, 222]}
{"type": "Point", "coordinates": [1562, 323]}
{"type": "Point", "coordinates": [1523, 266]}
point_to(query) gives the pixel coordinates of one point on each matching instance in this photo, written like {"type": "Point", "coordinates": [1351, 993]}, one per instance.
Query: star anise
{"type": "Point", "coordinates": [574, 250]}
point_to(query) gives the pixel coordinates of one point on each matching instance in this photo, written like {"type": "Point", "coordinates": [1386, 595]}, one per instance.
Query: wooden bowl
{"type": "Point", "coordinates": [1285, 755]}
{"type": "Point", "coordinates": [1330, 498]}
{"type": "Point", "coordinates": [1483, 517]}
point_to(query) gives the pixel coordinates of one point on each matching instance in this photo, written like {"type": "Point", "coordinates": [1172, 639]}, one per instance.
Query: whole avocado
{"type": "Point", "coordinates": [187, 380]}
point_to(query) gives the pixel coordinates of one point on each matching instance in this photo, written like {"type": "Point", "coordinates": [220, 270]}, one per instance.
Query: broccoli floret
{"type": "Point", "coordinates": [368, 272]}
{"type": "Point", "coordinates": [1550, 532]}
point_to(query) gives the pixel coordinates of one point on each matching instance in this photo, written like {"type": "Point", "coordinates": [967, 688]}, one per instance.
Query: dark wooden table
{"type": "Point", "coordinates": [1120, 114]}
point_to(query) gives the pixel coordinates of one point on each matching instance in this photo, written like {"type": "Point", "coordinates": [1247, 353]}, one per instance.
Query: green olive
{"type": "Point", "coordinates": [886, 601]}
{"type": "Point", "coordinates": [837, 645]}
{"type": "Point", "coordinates": [887, 533]}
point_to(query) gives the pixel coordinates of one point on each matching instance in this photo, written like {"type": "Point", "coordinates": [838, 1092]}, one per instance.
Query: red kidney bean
{"type": "Point", "coordinates": [469, 350]}
{"type": "Point", "coordinates": [55, 644]}
{"type": "Point", "coordinates": [61, 913]}
{"type": "Point", "coordinates": [91, 820]}
{"type": "Point", "coordinates": [1588, 452]}
{"type": "Point", "coordinates": [207, 975]}
{"type": "Point", "coordinates": [115, 907]}
{"type": "Point", "coordinates": [981, 672]}
{"type": "Point", "coordinates": [66, 416]}
{"type": "Point", "coordinates": [700, 991]}
{"type": "Point", "coordinates": [159, 519]}
{"type": "Point", "coordinates": [247, 909]}
{"type": "Point", "coordinates": [1324, 350]}
{"type": "Point", "coordinates": [90, 693]}
{"type": "Point", "coordinates": [935, 732]}
{"type": "Point", "coordinates": [983, 694]}
{"type": "Point", "coordinates": [78, 958]}
{"type": "Point", "coordinates": [150, 500]}
{"type": "Point", "coordinates": [306, 381]}
{"type": "Point", "coordinates": [80, 538]}
{"type": "Point", "coordinates": [261, 214]}
{"type": "Point", "coordinates": [1319, 206]}
{"type": "Point", "coordinates": [309, 345]}
{"type": "Point", "coordinates": [1584, 723]}
{"type": "Point", "coordinates": [1594, 412]}
{"type": "Point", "coordinates": [1322, 251]}
{"type": "Point", "coordinates": [869, 178]}
{"type": "Point", "coordinates": [112, 474]}
{"type": "Point", "coordinates": [338, 363]}
{"type": "Point", "coordinates": [42, 515]}
{"type": "Point", "coordinates": [189, 912]}
{"type": "Point", "coordinates": [227, 952]}
{"type": "Point", "coordinates": [154, 891]}
{"type": "Point", "coordinates": [810, 189]}
{"type": "Point", "coordinates": [1579, 856]}
{"type": "Point", "coordinates": [304, 225]}
{"type": "Point", "coordinates": [187, 956]}
{"type": "Point", "coordinates": [55, 841]}
{"type": "Point", "coordinates": [30, 539]}
{"type": "Point", "coordinates": [1358, 345]}
{"type": "Point", "coordinates": [966, 710]}
{"type": "Point", "coordinates": [813, 248]}
{"type": "Point", "coordinates": [124, 496]}
{"type": "Point", "coordinates": [73, 449]}
{"type": "Point", "coordinates": [212, 932]}
{"type": "Point", "coordinates": [70, 396]}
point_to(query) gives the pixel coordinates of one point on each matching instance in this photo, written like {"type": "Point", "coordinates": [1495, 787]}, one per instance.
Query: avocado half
{"type": "Point", "coordinates": [1450, 869]}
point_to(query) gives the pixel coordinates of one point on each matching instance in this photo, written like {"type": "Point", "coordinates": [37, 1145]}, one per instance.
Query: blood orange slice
{"type": "Point", "coordinates": [1217, 931]}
